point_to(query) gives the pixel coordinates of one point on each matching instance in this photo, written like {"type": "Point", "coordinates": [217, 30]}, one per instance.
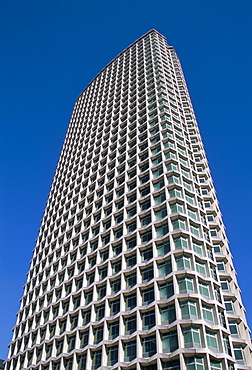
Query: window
{"type": "Point", "coordinates": [178, 224]}
{"type": "Point", "coordinates": [131, 212]}
{"type": "Point", "coordinates": [159, 185]}
{"type": "Point", "coordinates": [147, 296]}
{"type": "Point", "coordinates": [160, 198]}
{"type": "Point", "coordinates": [146, 237]}
{"type": "Point", "coordinates": [148, 319]}
{"type": "Point", "coordinates": [147, 274]}
{"type": "Point", "coordinates": [204, 289]}
{"type": "Point", "coordinates": [160, 214]}
{"type": "Point", "coordinates": [171, 365]}
{"type": "Point", "coordinates": [101, 291]}
{"type": "Point", "coordinates": [191, 337]}
{"type": "Point", "coordinates": [166, 290]}
{"type": "Point", "coordinates": [114, 307]}
{"type": "Point", "coordinates": [207, 313]}
{"type": "Point", "coordinates": [233, 329]}
{"type": "Point", "coordinates": [197, 248]}
{"type": "Point", "coordinates": [113, 330]}
{"type": "Point", "coordinates": [162, 230]}
{"type": "Point", "coordinates": [81, 360]}
{"type": "Point", "coordinates": [146, 255]}
{"type": "Point", "coordinates": [100, 312]}
{"type": "Point", "coordinates": [130, 280]}
{"type": "Point", "coordinates": [188, 310]}
{"type": "Point", "coordinates": [130, 302]}
{"type": "Point", "coordinates": [165, 268]}
{"type": "Point", "coordinates": [194, 363]}
{"type": "Point", "coordinates": [183, 262]}
{"type": "Point", "coordinates": [129, 351]}
{"type": "Point", "coordinates": [98, 334]}
{"type": "Point", "coordinates": [176, 208]}
{"type": "Point", "coordinates": [146, 220]}
{"type": "Point", "coordinates": [130, 325]}
{"type": "Point", "coordinates": [149, 346]}
{"type": "Point", "coordinates": [131, 227]}
{"type": "Point", "coordinates": [71, 343]}
{"type": "Point", "coordinates": [168, 314]}
{"type": "Point", "coordinates": [238, 352]}
{"type": "Point", "coordinates": [84, 339]}
{"type": "Point", "coordinates": [185, 285]}
{"type": "Point", "coordinates": [112, 355]}
{"type": "Point", "coordinates": [201, 268]}
{"type": "Point", "coordinates": [163, 247]}
{"type": "Point", "coordinates": [215, 365]}
{"type": "Point", "coordinates": [229, 305]}
{"type": "Point", "coordinates": [116, 267]}
{"type": "Point", "coordinates": [211, 341]}
{"type": "Point", "coordinates": [96, 359]}
{"type": "Point", "coordinates": [170, 342]}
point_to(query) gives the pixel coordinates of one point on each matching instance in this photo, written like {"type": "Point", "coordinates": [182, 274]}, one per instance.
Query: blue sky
{"type": "Point", "coordinates": [50, 50]}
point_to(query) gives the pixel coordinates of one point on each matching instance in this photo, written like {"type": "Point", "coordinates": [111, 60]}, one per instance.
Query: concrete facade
{"type": "Point", "coordinates": [132, 268]}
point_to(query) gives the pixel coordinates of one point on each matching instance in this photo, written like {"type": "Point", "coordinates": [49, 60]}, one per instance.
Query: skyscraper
{"type": "Point", "coordinates": [132, 268]}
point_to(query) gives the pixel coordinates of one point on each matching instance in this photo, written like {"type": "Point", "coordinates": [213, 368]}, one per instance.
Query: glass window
{"type": "Point", "coordinates": [197, 248]}
{"type": "Point", "coordinates": [170, 341]}
{"type": "Point", "coordinates": [146, 255]}
{"type": "Point", "coordinates": [160, 198]}
{"type": "Point", "coordinates": [112, 355]}
{"type": "Point", "coordinates": [191, 337]}
{"type": "Point", "coordinates": [146, 220]}
{"type": "Point", "coordinates": [113, 330]}
{"type": "Point", "coordinates": [183, 262]}
{"type": "Point", "coordinates": [204, 289]}
{"type": "Point", "coordinates": [194, 363]}
{"type": "Point", "coordinates": [130, 325]}
{"type": "Point", "coordinates": [96, 359]}
{"type": "Point", "coordinates": [130, 302]}
{"type": "Point", "coordinates": [147, 274]}
{"type": "Point", "coordinates": [168, 314]}
{"type": "Point", "coordinates": [158, 185]}
{"type": "Point", "coordinates": [83, 339]}
{"type": "Point", "coordinates": [146, 237]}
{"type": "Point", "coordinates": [98, 334]}
{"type": "Point", "coordinates": [178, 224]}
{"type": "Point", "coordinates": [207, 313]}
{"type": "Point", "coordinates": [163, 247]}
{"type": "Point", "coordinates": [229, 305]}
{"type": "Point", "coordinates": [181, 242]}
{"type": "Point", "coordinates": [114, 307]}
{"type": "Point", "coordinates": [211, 341]}
{"type": "Point", "coordinates": [130, 280]}
{"type": "Point", "coordinates": [185, 285]}
{"type": "Point", "coordinates": [147, 296]}
{"type": "Point", "coordinates": [238, 352]}
{"type": "Point", "coordinates": [129, 351]}
{"type": "Point", "coordinates": [148, 320]}
{"type": "Point", "coordinates": [165, 268]}
{"type": "Point", "coordinates": [166, 290]}
{"type": "Point", "coordinates": [233, 329]}
{"type": "Point", "coordinates": [160, 214]}
{"type": "Point", "coordinates": [215, 365]}
{"type": "Point", "coordinates": [162, 230]}
{"type": "Point", "coordinates": [149, 346]}
{"type": "Point", "coordinates": [201, 268]}
{"type": "Point", "coordinates": [188, 310]}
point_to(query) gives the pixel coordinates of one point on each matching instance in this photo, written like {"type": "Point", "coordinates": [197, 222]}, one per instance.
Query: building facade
{"type": "Point", "coordinates": [132, 268]}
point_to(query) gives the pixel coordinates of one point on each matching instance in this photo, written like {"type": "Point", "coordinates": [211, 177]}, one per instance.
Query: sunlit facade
{"type": "Point", "coordinates": [132, 268]}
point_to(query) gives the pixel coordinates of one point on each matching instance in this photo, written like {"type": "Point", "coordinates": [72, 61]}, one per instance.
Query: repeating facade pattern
{"type": "Point", "coordinates": [132, 268]}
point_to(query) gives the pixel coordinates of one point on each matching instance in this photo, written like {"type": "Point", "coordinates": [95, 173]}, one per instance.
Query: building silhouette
{"type": "Point", "coordinates": [132, 268]}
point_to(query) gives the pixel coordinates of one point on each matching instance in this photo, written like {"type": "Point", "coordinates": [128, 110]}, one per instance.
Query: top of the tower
{"type": "Point", "coordinates": [123, 51]}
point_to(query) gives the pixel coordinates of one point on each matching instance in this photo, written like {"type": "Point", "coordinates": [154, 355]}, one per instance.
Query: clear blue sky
{"type": "Point", "coordinates": [50, 50]}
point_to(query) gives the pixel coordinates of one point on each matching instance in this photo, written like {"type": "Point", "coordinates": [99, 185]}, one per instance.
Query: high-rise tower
{"type": "Point", "coordinates": [132, 268]}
